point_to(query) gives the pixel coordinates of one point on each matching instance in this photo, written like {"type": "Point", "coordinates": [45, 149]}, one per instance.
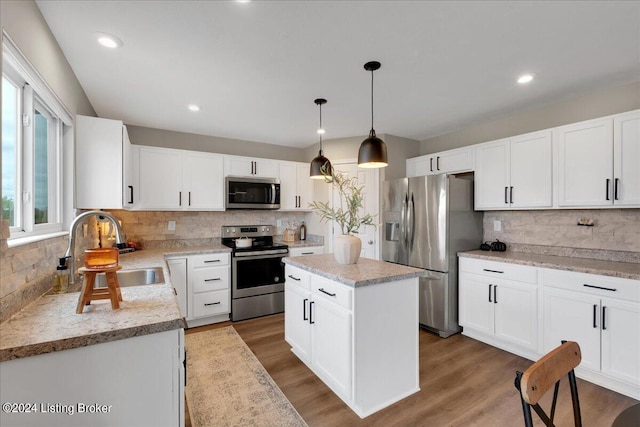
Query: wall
{"type": "Point", "coordinates": [26, 271]}
{"type": "Point", "coordinates": [188, 141]}
{"type": "Point", "coordinates": [612, 101]}
{"type": "Point", "coordinates": [556, 232]}
{"type": "Point", "coordinates": [194, 228]}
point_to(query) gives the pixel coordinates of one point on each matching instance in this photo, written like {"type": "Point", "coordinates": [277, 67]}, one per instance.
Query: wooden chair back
{"type": "Point", "coordinates": [547, 372]}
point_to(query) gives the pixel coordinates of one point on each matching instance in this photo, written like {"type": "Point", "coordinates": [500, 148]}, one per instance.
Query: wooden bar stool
{"type": "Point", "coordinates": [90, 292]}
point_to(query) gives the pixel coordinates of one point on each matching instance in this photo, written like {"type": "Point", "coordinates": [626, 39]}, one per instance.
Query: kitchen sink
{"type": "Point", "coordinates": [137, 277]}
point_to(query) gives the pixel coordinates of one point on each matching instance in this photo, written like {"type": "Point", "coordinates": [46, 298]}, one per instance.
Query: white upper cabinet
{"type": "Point", "coordinates": [626, 159]}
{"type": "Point", "coordinates": [451, 161]}
{"type": "Point", "coordinates": [514, 173]}
{"type": "Point", "coordinates": [296, 188]}
{"type": "Point", "coordinates": [585, 163]}
{"type": "Point", "coordinates": [247, 166]}
{"type": "Point", "coordinates": [98, 163]}
{"type": "Point", "coordinates": [180, 180]}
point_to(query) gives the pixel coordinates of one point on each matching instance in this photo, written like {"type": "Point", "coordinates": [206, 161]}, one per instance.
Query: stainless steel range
{"type": "Point", "coordinates": [257, 270]}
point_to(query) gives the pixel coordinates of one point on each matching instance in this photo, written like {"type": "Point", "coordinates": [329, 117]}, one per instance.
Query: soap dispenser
{"type": "Point", "coordinates": [303, 231]}
{"type": "Point", "coordinates": [61, 279]}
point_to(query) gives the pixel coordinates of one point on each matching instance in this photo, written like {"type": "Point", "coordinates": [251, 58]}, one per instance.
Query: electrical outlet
{"type": "Point", "coordinates": [85, 230]}
{"type": "Point", "coordinates": [279, 223]}
{"type": "Point", "coordinates": [497, 225]}
{"type": "Point", "coordinates": [171, 226]}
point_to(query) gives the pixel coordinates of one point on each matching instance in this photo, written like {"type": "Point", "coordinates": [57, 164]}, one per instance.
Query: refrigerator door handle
{"type": "Point", "coordinates": [411, 219]}
{"type": "Point", "coordinates": [403, 221]}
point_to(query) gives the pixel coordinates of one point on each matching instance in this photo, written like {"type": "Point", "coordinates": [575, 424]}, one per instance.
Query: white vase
{"type": "Point", "coordinates": [346, 249]}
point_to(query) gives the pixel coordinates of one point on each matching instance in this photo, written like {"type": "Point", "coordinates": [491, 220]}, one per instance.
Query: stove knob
{"type": "Point", "coordinates": [268, 229]}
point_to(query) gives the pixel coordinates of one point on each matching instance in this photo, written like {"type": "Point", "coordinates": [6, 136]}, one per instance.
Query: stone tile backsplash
{"type": "Point", "coordinates": [613, 230]}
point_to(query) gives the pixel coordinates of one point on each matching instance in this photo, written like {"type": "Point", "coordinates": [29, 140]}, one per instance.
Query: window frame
{"type": "Point", "coordinates": [34, 93]}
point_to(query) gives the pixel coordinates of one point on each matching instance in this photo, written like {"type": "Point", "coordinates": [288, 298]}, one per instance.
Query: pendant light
{"type": "Point", "coordinates": [373, 151]}
{"type": "Point", "coordinates": [320, 160]}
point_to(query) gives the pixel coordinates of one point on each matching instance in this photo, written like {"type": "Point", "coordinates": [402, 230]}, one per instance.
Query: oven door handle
{"type": "Point", "coordinates": [259, 256]}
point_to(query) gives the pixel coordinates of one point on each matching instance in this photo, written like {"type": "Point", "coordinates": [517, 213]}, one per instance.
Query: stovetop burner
{"type": "Point", "coordinates": [261, 238]}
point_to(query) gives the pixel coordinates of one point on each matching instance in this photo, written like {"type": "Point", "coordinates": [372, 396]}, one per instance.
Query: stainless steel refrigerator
{"type": "Point", "coordinates": [427, 220]}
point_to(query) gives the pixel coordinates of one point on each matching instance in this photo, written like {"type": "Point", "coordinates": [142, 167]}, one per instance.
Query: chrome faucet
{"type": "Point", "coordinates": [70, 254]}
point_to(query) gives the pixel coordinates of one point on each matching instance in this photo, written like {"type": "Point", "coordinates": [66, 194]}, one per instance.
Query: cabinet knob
{"type": "Point", "coordinates": [370, 242]}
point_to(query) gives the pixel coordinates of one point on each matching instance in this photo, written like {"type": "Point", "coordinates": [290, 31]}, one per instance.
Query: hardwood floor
{"type": "Point", "coordinates": [463, 383]}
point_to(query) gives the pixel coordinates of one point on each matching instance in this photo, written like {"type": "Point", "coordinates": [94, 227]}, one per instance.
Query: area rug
{"type": "Point", "coordinates": [227, 385]}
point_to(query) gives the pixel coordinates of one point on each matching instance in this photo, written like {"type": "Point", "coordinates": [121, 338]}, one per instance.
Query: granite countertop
{"type": "Point", "coordinates": [625, 270]}
{"type": "Point", "coordinates": [365, 272]}
{"type": "Point", "coordinates": [51, 324]}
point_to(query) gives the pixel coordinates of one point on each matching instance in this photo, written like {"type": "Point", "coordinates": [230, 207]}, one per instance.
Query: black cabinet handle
{"type": "Point", "coordinates": [180, 198]}
{"type": "Point", "coordinates": [595, 310]}
{"type": "Point", "coordinates": [311, 321]}
{"type": "Point", "coordinates": [431, 164]}
{"type": "Point", "coordinates": [438, 163]}
{"type": "Point", "coordinates": [306, 253]}
{"type": "Point", "coordinates": [604, 318]}
{"type": "Point", "coordinates": [189, 198]}
{"type": "Point", "coordinates": [506, 200]}
{"type": "Point", "coordinates": [211, 303]}
{"type": "Point", "coordinates": [212, 280]}
{"type": "Point", "coordinates": [184, 363]}
{"type": "Point", "coordinates": [493, 271]}
{"type": "Point", "coordinates": [608, 182]}
{"type": "Point", "coordinates": [130, 193]}
{"type": "Point", "coordinates": [510, 194]}
{"type": "Point", "coordinates": [326, 293]}
{"type": "Point", "coordinates": [211, 260]}
{"type": "Point", "coordinates": [495, 295]}
{"type": "Point", "coordinates": [490, 293]}
{"type": "Point", "coordinates": [304, 309]}
{"type": "Point", "coordinates": [616, 183]}
{"type": "Point", "coordinates": [599, 287]}
{"type": "Point", "coordinates": [294, 278]}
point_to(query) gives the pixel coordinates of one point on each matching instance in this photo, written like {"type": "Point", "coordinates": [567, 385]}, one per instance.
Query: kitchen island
{"type": "Point", "coordinates": [356, 327]}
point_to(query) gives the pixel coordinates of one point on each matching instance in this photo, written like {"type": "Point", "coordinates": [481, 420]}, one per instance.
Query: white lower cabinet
{"type": "Point", "coordinates": [361, 342]}
{"type": "Point", "coordinates": [136, 381]}
{"type": "Point", "coordinates": [203, 287]}
{"type": "Point", "coordinates": [494, 307]}
{"type": "Point", "coordinates": [602, 314]}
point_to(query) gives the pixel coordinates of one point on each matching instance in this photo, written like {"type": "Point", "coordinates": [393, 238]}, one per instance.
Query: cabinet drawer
{"type": "Point", "coordinates": [210, 303]}
{"type": "Point", "coordinates": [605, 286]}
{"type": "Point", "coordinates": [309, 250]}
{"type": "Point", "coordinates": [297, 277]}
{"type": "Point", "coordinates": [501, 270]}
{"type": "Point", "coordinates": [331, 291]}
{"type": "Point", "coordinates": [209, 260]}
{"type": "Point", "coordinates": [210, 279]}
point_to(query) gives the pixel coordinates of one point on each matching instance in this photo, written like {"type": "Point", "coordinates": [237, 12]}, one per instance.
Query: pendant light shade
{"type": "Point", "coordinates": [373, 150]}
{"type": "Point", "coordinates": [315, 168]}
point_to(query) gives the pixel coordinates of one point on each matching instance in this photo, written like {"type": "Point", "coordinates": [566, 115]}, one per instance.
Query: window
{"type": "Point", "coordinates": [31, 149]}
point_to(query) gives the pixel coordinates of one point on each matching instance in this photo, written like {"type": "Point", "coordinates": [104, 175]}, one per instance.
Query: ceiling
{"type": "Point", "coordinates": [255, 68]}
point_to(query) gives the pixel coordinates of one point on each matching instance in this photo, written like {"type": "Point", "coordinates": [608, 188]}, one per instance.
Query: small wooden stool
{"type": "Point", "coordinates": [90, 293]}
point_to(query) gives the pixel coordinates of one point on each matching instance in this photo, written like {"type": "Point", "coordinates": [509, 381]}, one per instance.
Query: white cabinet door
{"type": "Point", "coordinates": [203, 181]}
{"type": "Point", "coordinates": [304, 185]}
{"type": "Point", "coordinates": [626, 155]}
{"type": "Point", "coordinates": [476, 303]}
{"type": "Point", "coordinates": [131, 174]}
{"type": "Point", "coordinates": [98, 163]}
{"type": "Point", "coordinates": [288, 187]}
{"type": "Point", "coordinates": [516, 313]}
{"type": "Point", "coordinates": [585, 163]}
{"type": "Point", "coordinates": [297, 329]}
{"type": "Point", "coordinates": [331, 341]}
{"type": "Point", "coordinates": [418, 166]}
{"type": "Point", "coordinates": [531, 166]}
{"type": "Point", "coordinates": [452, 161]}
{"type": "Point", "coordinates": [573, 316]}
{"type": "Point", "coordinates": [247, 166]}
{"type": "Point", "coordinates": [620, 327]}
{"type": "Point", "coordinates": [178, 270]}
{"type": "Point", "coordinates": [492, 175]}
{"type": "Point", "coordinates": [160, 178]}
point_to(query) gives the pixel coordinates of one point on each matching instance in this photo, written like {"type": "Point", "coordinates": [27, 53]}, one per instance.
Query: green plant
{"type": "Point", "coordinates": [351, 201]}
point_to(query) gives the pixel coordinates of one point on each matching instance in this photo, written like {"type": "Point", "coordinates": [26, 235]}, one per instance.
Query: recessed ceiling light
{"type": "Point", "coordinates": [525, 78]}
{"type": "Point", "coordinates": [193, 107]}
{"type": "Point", "coordinates": [107, 40]}
{"type": "Point", "coordinates": [243, 1]}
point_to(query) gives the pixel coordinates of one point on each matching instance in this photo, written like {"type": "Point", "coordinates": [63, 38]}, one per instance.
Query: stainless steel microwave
{"type": "Point", "coordinates": [252, 193]}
